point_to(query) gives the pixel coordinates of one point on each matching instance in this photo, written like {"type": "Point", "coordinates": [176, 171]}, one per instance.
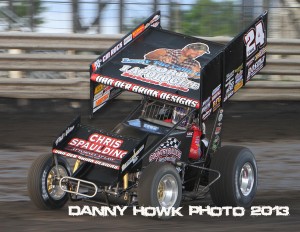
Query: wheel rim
{"type": "Point", "coordinates": [246, 180]}
{"type": "Point", "coordinates": [52, 182]}
{"type": "Point", "coordinates": [167, 191]}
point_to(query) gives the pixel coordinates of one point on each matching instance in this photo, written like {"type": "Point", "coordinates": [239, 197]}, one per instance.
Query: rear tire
{"type": "Point", "coordinates": [43, 182]}
{"type": "Point", "coordinates": [238, 182]}
{"type": "Point", "coordinates": [160, 186]}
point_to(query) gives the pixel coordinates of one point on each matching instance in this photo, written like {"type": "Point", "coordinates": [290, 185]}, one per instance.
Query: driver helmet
{"type": "Point", "coordinates": [178, 114]}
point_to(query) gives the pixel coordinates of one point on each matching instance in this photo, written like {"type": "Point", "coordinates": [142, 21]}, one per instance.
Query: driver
{"type": "Point", "coordinates": [195, 152]}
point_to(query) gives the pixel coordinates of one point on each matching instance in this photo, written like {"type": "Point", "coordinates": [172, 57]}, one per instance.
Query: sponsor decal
{"type": "Point", "coordinates": [255, 67]}
{"type": "Point", "coordinates": [234, 81]}
{"type": "Point", "coordinates": [86, 159]}
{"type": "Point", "coordinates": [138, 31]}
{"type": "Point", "coordinates": [97, 108]}
{"type": "Point", "coordinates": [220, 116]}
{"type": "Point", "coordinates": [238, 85]}
{"type": "Point", "coordinates": [229, 76]}
{"type": "Point", "coordinates": [184, 58]}
{"type": "Point", "coordinates": [133, 159]}
{"type": "Point", "coordinates": [154, 22]}
{"type": "Point", "coordinates": [206, 105]}
{"type": "Point", "coordinates": [216, 92]}
{"type": "Point", "coordinates": [216, 98]}
{"type": "Point", "coordinates": [170, 68]}
{"type": "Point", "coordinates": [206, 109]}
{"type": "Point", "coordinates": [239, 81]}
{"type": "Point", "coordinates": [250, 62]}
{"type": "Point", "coordinates": [229, 88]}
{"type": "Point", "coordinates": [206, 114]}
{"type": "Point", "coordinates": [216, 103]}
{"type": "Point", "coordinates": [100, 144]}
{"type": "Point", "coordinates": [216, 142]}
{"type": "Point", "coordinates": [127, 39]}
{"type": "Point", "coordinates": [167, 151]}
{"type": "Point", "coordinates": [64, 134]}
{"type": "Point", "coordinates": [88, 153]}
{"type": "Point", "coordinates": [101, 100]}
{"type": "Point", "coordinates": [102, 94]}
{"type": "Point", "coordinates": [162, 76]}
{"type": "Point", "coordinates": [96, 64]}
{"type": "Point", "coordinates": [112, 52]}
{"type": "Point", "coordinates": [260, 53]}
{"type": "Point", "coordinates": [218, 130]}
{"type": "Point", "coordinates": [165, 155]}
{"type": "Point", "coordinates": [218, 127]}
{"type": "Point", "coordinates": [101, 60]}
{"type": "Point", "coordinates": [145, 91]}
{"type": "Point", "coordinates": [102, 97]}
{"type": "Point", "coordinates": [98, 88]}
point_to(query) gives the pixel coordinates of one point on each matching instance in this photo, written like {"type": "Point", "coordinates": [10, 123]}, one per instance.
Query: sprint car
{"type": "Point", "coordinates": [161, 154]}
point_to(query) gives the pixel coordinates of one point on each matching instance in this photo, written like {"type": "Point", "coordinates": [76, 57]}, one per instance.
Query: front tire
{"type": "Point", "coordinates": [43, 182]}
{"type": "Point", "coordinates": [238, 182]}
{"type": "Point", "coordinates": [160, 186]}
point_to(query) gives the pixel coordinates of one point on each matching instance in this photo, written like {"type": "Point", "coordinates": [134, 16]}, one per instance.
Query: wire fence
{"type": "Point", "coordinates": [195, 17]}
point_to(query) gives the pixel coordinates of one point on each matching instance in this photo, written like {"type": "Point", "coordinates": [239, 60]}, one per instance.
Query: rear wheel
{"type": "Point", "coordinates": [160, 186]}
{"type": "Point", "coordinates": [43, 182]}
{"type": "Point", "coordinates": [238, 182]}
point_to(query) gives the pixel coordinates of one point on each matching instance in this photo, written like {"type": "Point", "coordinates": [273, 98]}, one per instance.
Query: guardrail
{"type": "Point", "coordinates": [283, 54]}
{"type": "Point", "coordinates": [74, 52]}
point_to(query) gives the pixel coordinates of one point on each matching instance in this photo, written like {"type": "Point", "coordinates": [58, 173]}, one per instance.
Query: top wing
{"type": "Point", "coordinates": [140, 68]}
{"type": "Point", "coordinates": [158, 64]}
{"type": "Point", "coordinates": [181, 69]}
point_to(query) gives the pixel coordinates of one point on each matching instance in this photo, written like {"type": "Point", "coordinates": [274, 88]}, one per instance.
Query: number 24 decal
{"type": "Point", "coordinates": [254, 38]}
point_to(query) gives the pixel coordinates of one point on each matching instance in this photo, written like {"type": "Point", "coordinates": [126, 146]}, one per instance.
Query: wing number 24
{"type": "Point", "coordinates": [255, 37]}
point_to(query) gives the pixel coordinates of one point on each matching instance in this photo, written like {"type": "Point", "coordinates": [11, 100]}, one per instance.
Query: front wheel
{"type": "Point", "coordinates": [238, 182]}
{"type": "Point", "coordinates": [160, 186]}
{"type": "Point", "coordinates": [43, 182]}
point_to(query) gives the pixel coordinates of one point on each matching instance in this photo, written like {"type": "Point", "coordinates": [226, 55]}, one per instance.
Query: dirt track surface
{"type": "Point", "coordinates": [270, 129]}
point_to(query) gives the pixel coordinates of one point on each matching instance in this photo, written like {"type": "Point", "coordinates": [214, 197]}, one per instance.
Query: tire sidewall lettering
{"type": "Point", "coordinates": [44, 190]}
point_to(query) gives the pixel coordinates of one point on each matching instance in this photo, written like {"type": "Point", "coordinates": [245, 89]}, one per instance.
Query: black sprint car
{"type": "Point", "coordinates": [160, 154]}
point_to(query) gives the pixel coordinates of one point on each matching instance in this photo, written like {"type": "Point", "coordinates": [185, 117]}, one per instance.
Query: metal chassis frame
{"type": "Point", "coordinates": [204, 191]}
